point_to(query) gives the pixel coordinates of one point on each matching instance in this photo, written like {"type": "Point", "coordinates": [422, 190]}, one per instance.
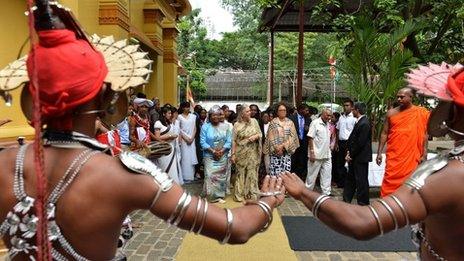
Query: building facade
{"type": "Point", "coordinates": [149, 23]}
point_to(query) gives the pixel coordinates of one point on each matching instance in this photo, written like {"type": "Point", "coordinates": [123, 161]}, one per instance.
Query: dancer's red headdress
{"type": "Point", "coordinates": [444, 82]}
{"type": "Point", "coordinates": [70, 73]}
{"type": "Point", "coordinates": [64, 70]}
{"type": "Point", "coordinates": [455, 87]}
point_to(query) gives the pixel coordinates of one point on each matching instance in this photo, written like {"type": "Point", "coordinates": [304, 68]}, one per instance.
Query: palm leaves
{"type": "Point", "coordinates": [375, 65]}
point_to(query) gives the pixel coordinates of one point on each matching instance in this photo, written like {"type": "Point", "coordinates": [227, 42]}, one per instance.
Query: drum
{"type": "Point", "coordinates": [159, 149]}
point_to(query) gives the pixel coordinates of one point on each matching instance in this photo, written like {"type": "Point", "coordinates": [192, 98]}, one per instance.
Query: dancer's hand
{"type": "Point", "coordinates": [273, 185]}
{"type": "Point", "coordinates": [293, 184]}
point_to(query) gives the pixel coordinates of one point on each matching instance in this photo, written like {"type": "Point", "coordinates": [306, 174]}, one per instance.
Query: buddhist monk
{"type": "Point", "coordinates": [405, 133]}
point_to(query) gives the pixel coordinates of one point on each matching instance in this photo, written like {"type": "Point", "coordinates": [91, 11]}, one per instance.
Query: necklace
{"type": "Point", "coordinates": [72, 140]}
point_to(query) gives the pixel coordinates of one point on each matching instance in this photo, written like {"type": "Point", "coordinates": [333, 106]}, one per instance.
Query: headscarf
{"type": "Point", "coordinates": [215, 110]}
{"type": "Point", "coordinates": [143, 101]}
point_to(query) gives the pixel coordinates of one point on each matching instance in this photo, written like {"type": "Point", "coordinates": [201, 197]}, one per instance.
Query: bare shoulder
{"type": "Point", "coordinates": [110, 177]}
{"type": "Point", "coordinates": [443, 191]}
{"type": "Point", "coordinates": [393, 111]}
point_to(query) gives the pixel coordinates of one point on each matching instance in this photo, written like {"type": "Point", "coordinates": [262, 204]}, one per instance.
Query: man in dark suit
{"type": "Point", "coordinates": [301, 120]}
{"type": "Point", "coordinates": [358, 156]}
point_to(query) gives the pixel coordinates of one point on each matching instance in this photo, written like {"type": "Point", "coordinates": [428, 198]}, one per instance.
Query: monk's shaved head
{"type": "Point", "coordinates": [404, 97]}
{"type": "Point", "coordinates": [407, 90]}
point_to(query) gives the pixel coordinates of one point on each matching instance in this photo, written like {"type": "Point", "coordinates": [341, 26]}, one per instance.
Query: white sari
{"type": "Point", "coordinates": [188, 152]}
{"type": "Point", "coordinates": [169, 163]}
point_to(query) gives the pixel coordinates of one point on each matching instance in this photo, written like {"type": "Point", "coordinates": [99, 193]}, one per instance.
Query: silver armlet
{"type": "Point", "coordinates": [141, 165]}
{"type": "Point", "coordinates": [390, 211]}
{"type": "Point", "coordinates": [203, 218]}
{"type": "Point", "coordinates": [318, 204]}
{"type": "Point", "coordinates": [178, 208]}
{"type": "Point", "coordinates": [425, 170]}
{"type": "Point", "coordinates": [158, 194]}
{"type": "Point", "coordinates": [184, 208]}
{"type": "Point", "coordinates": [230, 221]}
{"type": "Point", "coordinates": [266, 209]}
{"type": "Point", "coordinates": [199, 203]}
{"type": "Point", "coordinates": [403, 209]}
{"type": "Point", "coordinates": [377, 218]}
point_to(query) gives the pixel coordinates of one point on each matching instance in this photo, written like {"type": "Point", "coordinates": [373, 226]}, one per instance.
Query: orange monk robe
{"type": "Point", "coordinates": [405, 146]}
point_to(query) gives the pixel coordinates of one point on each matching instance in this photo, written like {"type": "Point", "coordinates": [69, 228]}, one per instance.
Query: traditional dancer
{"type": "Point", "coordinates": [68, 199]}
{"type": "Point", "coordinates": [432, 198]}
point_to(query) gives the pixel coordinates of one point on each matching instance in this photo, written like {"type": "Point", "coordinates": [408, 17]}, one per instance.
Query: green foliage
{"type": "Point", "coordinates": [383, 40]}
{"type": "Point", "coordinates": [194, 51]}
{"type": "Point", "coordinates": [375, 65]}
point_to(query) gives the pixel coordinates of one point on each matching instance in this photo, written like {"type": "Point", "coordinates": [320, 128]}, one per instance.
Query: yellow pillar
{"type": "Point", "coordinates": [171, 62]}
{"type": "Point", "coordinates": [154, 31]}
{"type": "Point", "coordinates": [113, 18]}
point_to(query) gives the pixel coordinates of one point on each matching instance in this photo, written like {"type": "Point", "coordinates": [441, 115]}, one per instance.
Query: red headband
{"type": "Point", "coordinates": [69, 73]}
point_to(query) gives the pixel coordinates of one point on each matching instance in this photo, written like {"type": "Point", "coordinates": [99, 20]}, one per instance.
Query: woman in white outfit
{"type": "Point", "coordinates": [175, 124]}
{"type": "Point", "coordinates": [187, 142]}
{"type": "Point", "coordinates": [165, 132]}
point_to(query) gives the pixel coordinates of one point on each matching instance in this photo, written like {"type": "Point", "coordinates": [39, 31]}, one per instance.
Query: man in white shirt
{"type": "Point", "coordinates": [344, 127]}
{"type": "Point", "coordinates": [320, 158]}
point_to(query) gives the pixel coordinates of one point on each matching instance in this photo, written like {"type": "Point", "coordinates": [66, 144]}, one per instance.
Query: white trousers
{"type": "Point", "coordinates": [324, 168]}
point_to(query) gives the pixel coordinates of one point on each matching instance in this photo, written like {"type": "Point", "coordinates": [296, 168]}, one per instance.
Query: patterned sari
{"type": "Point", "coordinates": [280, 133]}
{"type": "Point", "coordinates": [248, 157]}
{"type": "Point", "coordinates": [216, 137]}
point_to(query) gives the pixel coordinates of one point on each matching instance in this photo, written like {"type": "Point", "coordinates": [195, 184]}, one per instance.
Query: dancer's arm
{"type": "Point", "coordinates": [360, 222]}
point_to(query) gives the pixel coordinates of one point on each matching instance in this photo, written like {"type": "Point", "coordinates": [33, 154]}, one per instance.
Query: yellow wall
{"type": "Point", "coordinates": [13, 28]}
{"type": "Point", "coordinates": [163, 82]}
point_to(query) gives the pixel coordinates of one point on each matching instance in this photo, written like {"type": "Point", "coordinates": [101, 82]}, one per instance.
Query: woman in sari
{"type": "Point", "coordinates": [164, 131]}
{"type": "Point", "coordinates": [281, 142]}
{"type": "Point", "coordinates": [246, 155]}
{"type": "Point", "coordinates": [216, 141]}
{"type": "Point", "coordinates": [187, 122]}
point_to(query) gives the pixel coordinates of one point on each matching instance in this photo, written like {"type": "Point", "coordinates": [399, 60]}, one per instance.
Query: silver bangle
{"type": "Point", "coordinates": [184, 208]}
{"type": "Point", "coordinates": [178, 208]}
{"type": "Point", "coordinates": [377, 218]}
{"type": "Point", "coordinates": [406, 216]}
{"type": "Point", "coordinates": [266, 209]}
{"type": "Point", "coordinates": [158, 193]}
{"type": "Point", "coordinates": [390, 211]}
{"type": "Point", "coordinates": [268, 194]}
{"type": "Point", "coordinates": [316, 209]}
{"type": "Point", "coordinates": [317, 202]}
{"type": "Point", "coordinates": [203, 218]}
{"type": "Point", "coordinates": [196, 215]}
{"type": "Point", "coordinates": [230, 221]}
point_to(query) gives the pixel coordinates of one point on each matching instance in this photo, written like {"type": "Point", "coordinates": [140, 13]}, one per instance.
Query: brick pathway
{"type": "Point", "coordinates": [155, 240]}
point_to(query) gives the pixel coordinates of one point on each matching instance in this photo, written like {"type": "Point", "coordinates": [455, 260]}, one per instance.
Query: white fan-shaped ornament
{"type": "Point", "coordinates": [127, 66]}
{"type": "Point", "coordinates": [431, 80]}
{"type": "Point", "coordinates": [13, 75]}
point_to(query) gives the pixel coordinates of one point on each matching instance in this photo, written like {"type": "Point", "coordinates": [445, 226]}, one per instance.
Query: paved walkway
{"type": "Point", "coordinates": [155, 240]}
